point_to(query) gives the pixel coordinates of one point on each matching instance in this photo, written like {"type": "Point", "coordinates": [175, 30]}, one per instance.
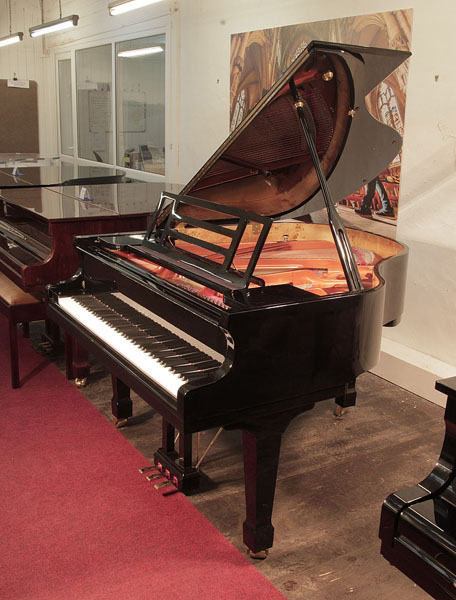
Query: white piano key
{"type": "Point", "coordinates": [163, 376]}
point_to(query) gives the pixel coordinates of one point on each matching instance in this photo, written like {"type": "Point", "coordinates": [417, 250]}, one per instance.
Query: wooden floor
{"type": "Point", "coordinates": [333, 477]}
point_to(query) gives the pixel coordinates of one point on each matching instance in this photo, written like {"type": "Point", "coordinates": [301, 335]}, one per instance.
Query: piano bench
{"type": "Point", "coordinates": [18, 307]}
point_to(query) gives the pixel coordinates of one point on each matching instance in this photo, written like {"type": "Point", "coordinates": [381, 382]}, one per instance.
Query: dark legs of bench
{"type": "Point", "coordinates": [14, 360]}
{"type": "Point", "coordinates": [14, 349]}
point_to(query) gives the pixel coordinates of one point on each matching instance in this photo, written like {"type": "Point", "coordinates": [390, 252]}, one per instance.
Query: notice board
{"type": "Point", "coordinates": [19, 118]}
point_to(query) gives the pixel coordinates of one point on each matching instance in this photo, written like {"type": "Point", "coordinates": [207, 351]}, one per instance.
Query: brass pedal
{"type": "Point", "coordinates": [157, 486]}
{"type": "Point", "coordinates": [154, 476]}
{"type": "Point", "coordinates": [147, 469]}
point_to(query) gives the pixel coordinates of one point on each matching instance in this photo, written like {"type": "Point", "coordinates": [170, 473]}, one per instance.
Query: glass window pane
{"type": "Point", "coordinates": [65, 107]}
{"type": "Point", "coordinates": [140, 72]}
{"type": "Point", "coordinates": [94, 104]}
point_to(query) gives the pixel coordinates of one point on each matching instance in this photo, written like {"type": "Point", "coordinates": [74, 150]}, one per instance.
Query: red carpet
{"type": "Point", "coordinates": [77, 519]}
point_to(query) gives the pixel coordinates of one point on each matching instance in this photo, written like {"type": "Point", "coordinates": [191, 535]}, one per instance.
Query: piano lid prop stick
{"type": "Point", "coordinates": [344, 250]}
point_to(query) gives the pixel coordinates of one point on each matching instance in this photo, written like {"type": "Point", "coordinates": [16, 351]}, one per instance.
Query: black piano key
{"type": "Point", "coordinates": [188, 359]}
{"type": "Point", "coordinates": [198, 367]}
{"type": "Point", "coordinates": [152, 338]}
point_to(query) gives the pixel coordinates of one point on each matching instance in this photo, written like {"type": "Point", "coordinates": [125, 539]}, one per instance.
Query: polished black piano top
{"type": "Point", "coordinates": [33, 174]}
{"type": "Point", "coordinates": [225, 314]}
{"type": "Point", "coordinates": [84, 201]}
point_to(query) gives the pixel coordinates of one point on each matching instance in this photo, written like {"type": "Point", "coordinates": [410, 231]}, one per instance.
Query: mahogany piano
{"type": "Point", "coordinates": [222, 313]}
{"type": "Point", "coordinates": [38, 225]}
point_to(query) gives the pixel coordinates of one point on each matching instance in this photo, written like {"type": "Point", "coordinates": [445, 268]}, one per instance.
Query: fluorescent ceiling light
{"type": "Point", "coordinates": [12, 38]}
{"type": "Point", "coordinates": [140, 51]}
{"type": "Point", "coordinates": [123, 6]}
{"type": "Point", "coordinates": [57, 25]}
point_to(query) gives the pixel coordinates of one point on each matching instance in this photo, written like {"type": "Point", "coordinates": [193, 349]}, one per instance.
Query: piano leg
{"type": "Point", "coordinates": [121, 404]}
{"type": "Point", "coordinates": [69, 356]}
{"type": "Point", "coordinates": [348, 399]}
{"type": "Point", "coordinates": [261, 442]}
{"type": "Point", "coordinates": [79, 369]}
{"type": "Point", "coordinates": [177, 466]}
{"type": "Point", "coordinates": [261, 460]}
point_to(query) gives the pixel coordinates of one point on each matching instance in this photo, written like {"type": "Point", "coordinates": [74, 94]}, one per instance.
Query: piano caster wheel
{"type": "Point", "coordinates": [339, 411]}
{"type": "Point", "coordinates": [119, 423]}
{"type": "Point", "coordinates": [80, 381]}
{"type": "Point", "coordinates": [261, 555]}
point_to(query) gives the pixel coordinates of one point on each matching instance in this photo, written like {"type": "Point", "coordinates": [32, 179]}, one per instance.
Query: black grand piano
{"type": "Point", "coordinates": [226, 315]}
{"type": "Point", "coordinates": [418, 524]}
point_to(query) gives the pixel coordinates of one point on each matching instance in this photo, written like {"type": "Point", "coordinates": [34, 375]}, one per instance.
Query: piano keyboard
{"type": "Point", "coordinates": [170, 360]}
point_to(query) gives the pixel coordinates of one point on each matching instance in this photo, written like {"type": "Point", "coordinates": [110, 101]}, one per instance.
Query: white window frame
{"type": "Point", "coordinates": [102, 40]}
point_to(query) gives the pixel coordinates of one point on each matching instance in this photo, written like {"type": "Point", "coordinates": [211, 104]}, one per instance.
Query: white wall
{"type": "Point", "coordinates": [198, 103]}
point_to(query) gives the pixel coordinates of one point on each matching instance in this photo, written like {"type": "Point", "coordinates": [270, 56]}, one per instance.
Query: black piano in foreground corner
{"type": "Point", "coordinates": [418, 524]}
{"type": "Point", "coordinates": [224, 315]}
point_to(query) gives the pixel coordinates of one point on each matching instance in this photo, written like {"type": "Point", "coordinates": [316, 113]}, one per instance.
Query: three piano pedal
{"type": "Point", "coordinates": [161, 474]}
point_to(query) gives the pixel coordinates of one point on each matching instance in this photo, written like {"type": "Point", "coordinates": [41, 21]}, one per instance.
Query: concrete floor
{"type": "Point", "coordinates": [334, 475]}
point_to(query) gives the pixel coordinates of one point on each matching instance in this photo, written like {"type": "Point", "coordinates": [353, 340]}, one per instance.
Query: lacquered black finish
{"type": "Point", "coordinates": [418, 524]}
{"type": "Point", "coordinates": [57, 175]}
{"type": "Point", "coordinates": [284, 348]}
{"type": "Point", "coordinates": [275, 169]}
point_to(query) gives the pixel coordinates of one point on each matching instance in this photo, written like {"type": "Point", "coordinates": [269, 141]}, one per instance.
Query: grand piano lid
{"type": "Point", "coordinates": [265, 166]}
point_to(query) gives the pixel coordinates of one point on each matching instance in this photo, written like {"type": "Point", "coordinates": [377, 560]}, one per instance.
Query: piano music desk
{"type": "Point", "coordinates": [18, 307]}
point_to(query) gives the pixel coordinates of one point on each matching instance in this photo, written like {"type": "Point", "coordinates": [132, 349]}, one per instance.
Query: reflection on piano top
{"type": "Point", "coordinates": [86, 201]}
{"type": "Point", "coordinates": [26, 159]}
{"type": "Point", "coordinates": [34, 173]}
